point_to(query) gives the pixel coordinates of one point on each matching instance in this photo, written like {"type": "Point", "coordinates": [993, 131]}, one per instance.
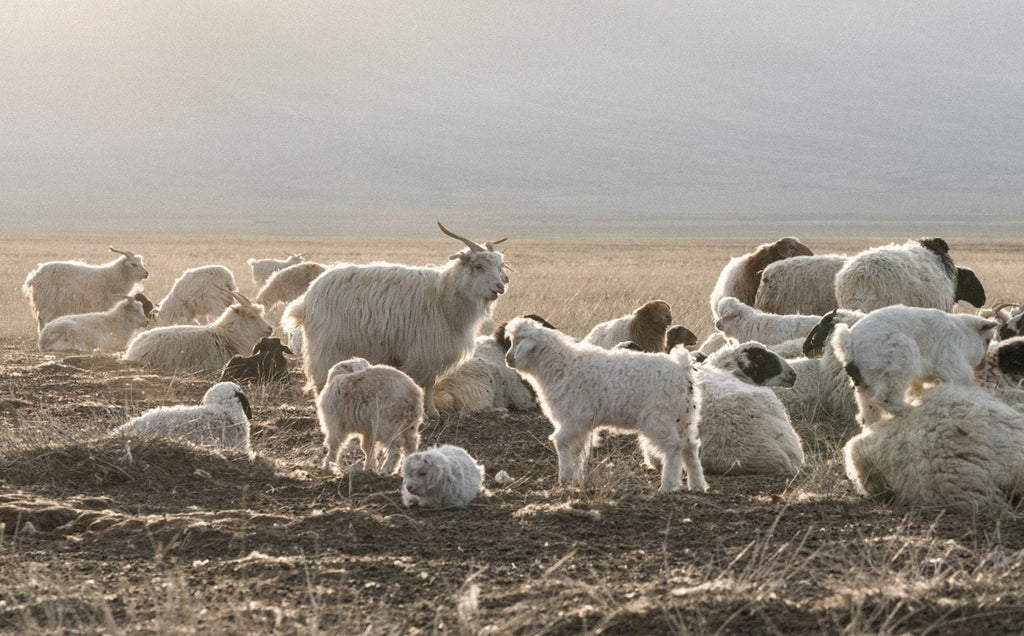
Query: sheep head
{"type": "Point", "coordinates": [679, 335]}
{"type": "Point", "coordinates": [968, 287]}
{"type": "Point", "coordinates": [483, 267]}
{"type": "Point", "coordinates": [730, 310]}
{"type": "Point", "coordinates": [346, 367]}
{"type": "Point", "coordinates": [132, 263]}
{"type": "Point", "coordinates": [502, 338]}
{"type": "Point", "coordinates": [648, 325]}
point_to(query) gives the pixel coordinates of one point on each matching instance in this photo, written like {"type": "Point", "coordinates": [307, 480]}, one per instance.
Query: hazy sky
{"type": "Point", "coordinates": [643, 117]}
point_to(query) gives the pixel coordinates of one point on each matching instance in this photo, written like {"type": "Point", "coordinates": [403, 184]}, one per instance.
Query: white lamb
{"type": "Point", "coordinates": [744, 427]}
{"type": "Point", "coordinates": [377, 403]}
{"type": "Point", "coordinates": [441, 477]}
{"type": "Point", "coordinates": [743, 323]}
{"type": "Point", "coordinates": [583, 388]}
{"type": "Point", "coordinates": [263, 268]}
{"type": "Point", "coordinates": [197, 296]}
{"type": "Point", "coordinates": [897, 348]}
{"type": "Point", "coordinates": [961, 449]}
{"type": "Point", "coordinates": [103, 330]}
{"type": "Point", "coordinates": [222, 421]}
{"type": "Point", "coordinates": [800, 285]}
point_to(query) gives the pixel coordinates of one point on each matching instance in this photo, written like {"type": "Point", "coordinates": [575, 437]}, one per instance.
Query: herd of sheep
{"type": "Point", "coordinates": [869, 338]}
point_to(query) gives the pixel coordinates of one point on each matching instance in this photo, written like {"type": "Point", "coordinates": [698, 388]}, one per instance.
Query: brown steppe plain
{"type": "Point", "coordinates": [169, 538]}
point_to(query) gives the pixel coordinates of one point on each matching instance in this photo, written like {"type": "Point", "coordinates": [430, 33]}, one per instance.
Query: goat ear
{"type": "Point", "coordinates": [520, 348]}
{"type": "Point", "coordinates": [462, 256]}
{"type": "Point", "coordinates": [287, 350]}
{"type": "Point", "coordinates": [986, 325]}
{"type": "Point", "coordinates": [245, 404]}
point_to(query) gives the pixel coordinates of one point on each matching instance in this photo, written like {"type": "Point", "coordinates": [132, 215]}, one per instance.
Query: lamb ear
{"type": "Point", "coordinates": [245, 403]}
{"type": "Point", "coordinates": [463, 256]}
{"type": "Point", "coordinates": [986, 325]}
{"type": "Point", "coordinates": [521, 348]}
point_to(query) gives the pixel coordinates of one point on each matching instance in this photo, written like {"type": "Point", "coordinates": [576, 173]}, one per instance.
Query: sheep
{"type": "Point", "coordinates": [198, 295]}
{"type": "Point", "coordinates": [1010, 317]}
{"type": "Point", "coordinates": [147, 304]}
{"type": "Point", "coordinates": [822, 391]}
{"type": "Point", "coordinates": [679, 335]}
{"type": "Point", "coordinates": [916, 274]}
{"type": "Point", "coordinates": [419, 319]}
{"type": "Point", "coordinates": [742, 275]}
{"type": "Point", "coordinates": [895, 349]}
{"type": "Point", "coordinates": [442, 477]}
{"type": "Point", "coordinates": [378, 403]}
{"type": "Point", "coordinates": [744, 427]}
{"type": "Point", "coordinates": [221, 421]}
{"type": "Point", "coordinates": [264, 267]}
{"type": "Point", "coordinates": [201, 349]}
{"type": "Point", "coordinates": [59, 288]}
{"type": "Point", "coordinates": [582, 388]}
{"type": "Point", "coordinates": [266, 364]}
{"type": "Point", "coordinates": [285, 285]}
{"type": "Point", "coordinates": [800, 285]}
{"type": "Point", "coordinates": [741, 322]}
{"type": "Point", "coordinates": [107, 330]}
{"type": "Point", "coordinates": [646, 326]}
{"type": "Point", "coordinates": [961, 449]}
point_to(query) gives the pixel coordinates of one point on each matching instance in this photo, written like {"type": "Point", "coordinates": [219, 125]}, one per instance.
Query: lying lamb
{"type": "Point", "coordinates": [441, 477]}
{"type": "Point", "coordinates": [897, 348]}
{"type": "Point", "coordinates": [377, 403]}
{"type": "Point", "coordinates": [266, 364]}
{"type": "Point", "coordinates": [743, 323]}
{"type": "Point", "coordinates": [646, 327]}
{"type": "Point", "coordinates": [582, 388]}
{"type": "Point", "coordinates": [107, 330]}
{"type": "Point", "coordinates": [222, 421]}
{"type": "Point", "coordinates": [961, 449]}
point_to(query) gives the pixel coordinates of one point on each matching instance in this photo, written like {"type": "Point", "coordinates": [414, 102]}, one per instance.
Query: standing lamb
{"type": "Point", "coordinates": [646, 327]}
{"type": "Point", "coordinates": [420, 319]}
{"type": "Point", "coordinates": [377, 403]}
{"type": "Point", "coordinates": [896, 349]}
{"type": "Point", "coordinates": [59, 288]}
{"type": "Point", "coordinates": [742, 275]}
{"type": "Point", "coordinates": [104, 330]}
{"type": "Point", "coordinates": [197, 296]}
{"type": "Point", "coordinates": [583, 388]}
{"type": "Point", "coordinates": [916, 274]}
{"type": "Point", "coordinates": [441, 477]}
{"type": "Point", "coordinates": [961, 449]}
{"type": "Point", "coordinates": [262, 268]}
{"type": "Point", "coordinates": [800, 285]}
{"type": "Point", "coordinates": [222, 421]}
{"type": "Point", "coordinates": [201, 349]}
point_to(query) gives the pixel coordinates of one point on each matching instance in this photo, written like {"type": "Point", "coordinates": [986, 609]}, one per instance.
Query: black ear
{"type": "Point", "coordinates": [816, 339]}
{"type": "Point", "coordinates": [245, 403]}
{"type": "Point", "coordinates": [537, 318]}
{"type": "Point", "coordinates": [287, 350]}
{"type": "Point", "coordinates": [935, 244]}
{"type": "Point", "coordinates": [968, 287]}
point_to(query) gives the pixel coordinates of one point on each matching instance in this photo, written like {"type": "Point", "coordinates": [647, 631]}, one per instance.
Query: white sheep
{"type": "Point", "coordinates": [742, 274]}
{"type": "Point", "coordinates": [107, 330]}
{"type": "Point", "coordinates": [59, 288]}
{"type": "Point", "coordinates": [222, 421]}
{"type": "Point", "coordinates": [442, 477]}
{"type": "Point", "coordinates": [897, 349]}
{"type": "Point", "coordinates": [742, 323]}
{"type": "Point", "coordinates": [287, 284]}
{"type": "Point", "coordinates": [583, 388]}
{"type": "Point", "coordinates": [916, 274]}
{"type": "Point", "coordinates": [197, 296]}
{"type": "Point", "coordinates": [379, 404]}
{"type": "Point", "coordinates": [419, 319]}
{"type": "Point", "coordinates": [961, 448]}
{"type": "Point", "coordinates": [262, 268]}
{"type": "Point", "coordinates": [201, 349]}
{"type": "Point", "coordinates": [822, 391]}
{"type": "Point", "coordinates": [744, 427]}
{"type": "Point", "coordinates": [482, 383]}
{"type": "Point", "coordinates": [646, 327]}
{"type": "Point", "coordinates": [800, 285]}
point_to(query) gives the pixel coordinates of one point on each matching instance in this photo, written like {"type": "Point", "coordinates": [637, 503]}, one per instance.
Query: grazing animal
{"type": "Point", "coordinates": [379, 404]}
{"type": "Point", "coordinates": [104, 330]}
{"type": "Point", "coordinates": [201, 349]}
{"type": "Point", "coordinates": [263, 268]}
{"type": "Point", "coordinates": [896, 349]}
{"type": "Point", "coordinates": [646, 327]}
{"type": "Point", "coordinates": [421, 320]}
{"type": "Point", "coordinates": [800, 285]}
{"type": "Point", "coordinates": [582, 388]}
{"type": "Point", "coordinates": [741, 277]}
{"type": "Point", "coordinates": [441, 477]}
{"type": "Point", "coordinates": [266, 364]}
{"type": "Point", "coordinates": [221, 421]}
{"type": "Point", "coordinates": [961, 449]}
{"type": "Point", "coordinates": [197, 296]}
{"type": "Point", "coordinates": [59, 288]}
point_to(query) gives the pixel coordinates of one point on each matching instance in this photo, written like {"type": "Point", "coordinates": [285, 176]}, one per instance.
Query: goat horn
{"type": "Point", "coordinates": [473, 246]}
{"type": "Point", "coordinates": [490, 244]}
{"type": "Point", "coordinates": [122, 252]}
{"type": "Point", "coordinates": [1001, 305]}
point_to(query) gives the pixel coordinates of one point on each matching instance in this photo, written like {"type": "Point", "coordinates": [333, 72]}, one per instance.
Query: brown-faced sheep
{"type": "Point", "coordinates": [742, 275]}
{"type": "Point", "coordinates": [646, 327]}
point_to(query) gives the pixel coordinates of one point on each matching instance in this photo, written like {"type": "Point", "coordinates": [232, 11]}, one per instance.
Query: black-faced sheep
{"type": "Point", "coordinates": [741, 277]}
{"type": "Point", "coordinates": [266, 364]}
{"type": "Point", "coordinates": [646, 327]}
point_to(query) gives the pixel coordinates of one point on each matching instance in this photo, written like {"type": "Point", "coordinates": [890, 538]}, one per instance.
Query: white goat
{"type": "Point", "coordinates": [222, 421]}
{"type": "Point", "coordinates": [961, 449]}
{"type": "Point", "coordinates": [203, 349]}
{"type": "Point", "coordinates": [378, 403]}
{"type": "Point", "coordinates": [287, 284]}
{"type": "Point", "coordinates": [895, 349]}
{"type": "Point", "coordinates": [742, 275]}
{"type": "Point", "coordinates": [800, 285]}
{"type": "Point", "coordinates": [104, 330]}
{"type": "Point", "coordinates": [441, 477]}
{"type": "Point", "coordinates": [59, 288]}
{"type": "Point", "coordinates": [744, 427]}
{"type": "Point", "coordinates": [197, 296]}
{"type": "Point", "coordinates": [646, 327]}
{"type": "Point", "coordinates": [742, 323]}
{"type": "Point", "coordinates": [583, 388]}
{"type": "Point", "coordinates": [420, 319]}
{"type": "Point", "coordinates": [262, 268]}
{"type": "Point", "coordinates": [482, 383]}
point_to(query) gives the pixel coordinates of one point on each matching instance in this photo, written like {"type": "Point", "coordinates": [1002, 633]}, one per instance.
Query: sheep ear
{"type": "Point", "coordinates": [245, 404]}
{"type": "Point", "coordinates": [986, 325]}
{"type": "Point", "coordinates": [462, 256]}
{"type": "Point", "coordinates": [287, 350]}
{"type": "Point", "coordinates": [521, 348]}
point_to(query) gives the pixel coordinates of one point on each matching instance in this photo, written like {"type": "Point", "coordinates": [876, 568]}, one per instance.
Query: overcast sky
{"type": "Point", "coordinates": [632, 117]}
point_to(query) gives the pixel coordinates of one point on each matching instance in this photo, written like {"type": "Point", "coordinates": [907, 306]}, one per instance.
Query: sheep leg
{"type": "Point", "coordinates": [333, 445]}
{"type": "Point", "coordinates": [391, 459]}
{"type": "Point", "coordinates": [572, 449]}
{"type": "Point", "coordinates": [429, 409]}
{"type": "Point", "coordinates": [369, 446]}
{"type": "Point", "coordinates": [690, 454]}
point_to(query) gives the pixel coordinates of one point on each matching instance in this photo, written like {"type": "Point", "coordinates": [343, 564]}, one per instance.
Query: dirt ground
{"type": "Point", "coordinates": [97, 536]}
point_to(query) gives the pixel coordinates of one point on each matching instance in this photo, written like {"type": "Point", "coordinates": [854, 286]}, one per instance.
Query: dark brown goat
{"type": "Point", "coordinates": [266, 364]}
